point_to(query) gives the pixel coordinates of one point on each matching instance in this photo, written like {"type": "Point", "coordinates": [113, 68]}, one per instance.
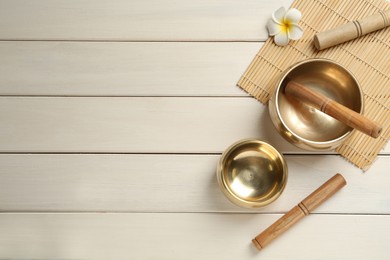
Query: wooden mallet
{"type": "Point", "coordinates": [333, 109]}
{"type": "Point", "coordinates": [304, 208]}
{"type": "Point", "coordinates": [352, 30]}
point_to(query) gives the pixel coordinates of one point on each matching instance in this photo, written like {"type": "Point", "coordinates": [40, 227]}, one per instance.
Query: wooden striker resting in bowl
{"type": "Point", "coordinates": [300, 123]}
{"type": "Point", "coordinates": [333, 109]}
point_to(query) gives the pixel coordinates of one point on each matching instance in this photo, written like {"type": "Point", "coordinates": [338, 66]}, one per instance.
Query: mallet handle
{"type": "Point", "coordinates": [304, 208]}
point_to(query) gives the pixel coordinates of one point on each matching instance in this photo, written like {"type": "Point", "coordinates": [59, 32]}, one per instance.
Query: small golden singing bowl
{"type": "Point", "coordinates": [252, 173]}
{"type": "Point", "coordinates": [305, 126]}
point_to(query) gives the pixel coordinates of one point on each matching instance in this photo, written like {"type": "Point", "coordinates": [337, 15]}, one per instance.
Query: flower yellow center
{"type": "Point", "coordinates": [286, 26]}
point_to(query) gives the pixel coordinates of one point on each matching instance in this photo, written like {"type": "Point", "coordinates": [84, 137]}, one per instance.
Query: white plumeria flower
{"type": "Point", "coordinates": [284, 25]}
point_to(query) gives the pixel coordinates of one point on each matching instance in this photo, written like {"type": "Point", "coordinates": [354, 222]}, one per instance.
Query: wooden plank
{"type": "Point", "coordinates": [123, 69]}
{"type": "Point", "coordinates": [133, 125]}
{"type": "Point", "coordinates": [173, 183]}
{"type": "Point", "coordinates": [139, 20]}
{"type": "Point", "coordinates": [189, 236]}
{"type": "Point", "coordinates": [136, 125]}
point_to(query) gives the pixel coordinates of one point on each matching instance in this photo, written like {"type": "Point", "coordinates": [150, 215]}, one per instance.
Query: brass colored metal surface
{"type": "Point", "coordinates": [305, 126]}
{"type": "Point", "coordinates": [252, 173]}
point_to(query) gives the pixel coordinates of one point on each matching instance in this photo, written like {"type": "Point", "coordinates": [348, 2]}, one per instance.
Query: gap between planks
{"type": "Point", "coordinates": [69, 212]}
{"type": "Point", "coordinates": [168, 154]}
{"type": "Point", "coordinates": [138, 41]}
{"type": "Point", "coordinates": [125, 96]}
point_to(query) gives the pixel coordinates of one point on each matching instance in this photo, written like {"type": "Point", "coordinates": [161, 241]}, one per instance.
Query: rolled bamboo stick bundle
{"type": "Point", "coordinates": [333, 109]}
{"type": "Point", "coordinates": [352, 30]}
{"type": "Point", "coordinates": [304, 208]}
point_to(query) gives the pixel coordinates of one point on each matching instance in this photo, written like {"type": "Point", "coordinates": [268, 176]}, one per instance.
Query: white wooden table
{"type": "Point", "coordinates": [113, 116]}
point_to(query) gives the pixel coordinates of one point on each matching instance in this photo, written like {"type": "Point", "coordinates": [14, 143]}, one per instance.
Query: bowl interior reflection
{"type": "Point", "coordinates": [254, 172]}
{"type": "Point", "coordinates": [329, 79]}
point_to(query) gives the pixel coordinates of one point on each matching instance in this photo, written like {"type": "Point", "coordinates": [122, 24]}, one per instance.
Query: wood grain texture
{"type": "Point", "coordinates": [136, 20]}
{"type": "Point", "coordinates": [323, 193]}
{"type": "Point", "coordinates": [123, 69]}
{"type": "Point", "coordinates": [173, 183]}
{"type": "Point", "coordinates": [303, 208]}
{"type": "Point", "coordinates": [280, 226]}
{"type": "Point", "coordinates": [189, 236]}
{"type": "Point", "coordinates": [133, 125]}
{"type": "Point", "coordinates": [152, 159]}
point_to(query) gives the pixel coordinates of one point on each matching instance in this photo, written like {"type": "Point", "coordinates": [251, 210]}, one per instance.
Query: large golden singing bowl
{"type": "Point", "coordinates": [252, 173]}
{"type": "Point", "coordinates": [305, 126]}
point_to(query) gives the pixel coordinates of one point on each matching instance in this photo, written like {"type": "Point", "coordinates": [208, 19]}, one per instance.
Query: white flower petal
{"type": "Point", "coordinates": [273, 28]}
{"type": "Point", "coordinates": [279, 14]}
{"type": "Point", "coordinates": [293, 15]}
{"type": "Point", "coordinates": [295, 32]}
{"type": "Point", "coordinates": [281, 39]}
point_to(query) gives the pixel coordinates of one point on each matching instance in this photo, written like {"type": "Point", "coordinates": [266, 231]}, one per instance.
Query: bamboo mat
{"type": "Point", "coordinates": [368, 58]}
